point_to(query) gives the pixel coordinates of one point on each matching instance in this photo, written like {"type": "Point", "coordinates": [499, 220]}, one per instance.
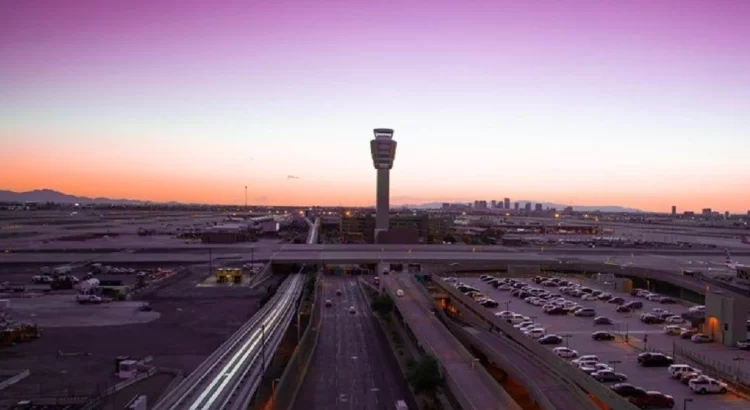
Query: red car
{"type": "Point", "coordinates": [653, 399]}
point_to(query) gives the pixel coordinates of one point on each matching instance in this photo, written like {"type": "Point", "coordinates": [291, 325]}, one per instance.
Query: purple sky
{"type": "Point", "coordinates": [604, 95]}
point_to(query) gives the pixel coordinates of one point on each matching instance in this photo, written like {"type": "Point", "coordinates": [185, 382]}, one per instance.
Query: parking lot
{"type": "Point", "coordinates": [621, 356]}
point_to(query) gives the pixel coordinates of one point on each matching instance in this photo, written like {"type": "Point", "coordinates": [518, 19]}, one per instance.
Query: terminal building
{"type": "Point", "coordinates": [404, 229]}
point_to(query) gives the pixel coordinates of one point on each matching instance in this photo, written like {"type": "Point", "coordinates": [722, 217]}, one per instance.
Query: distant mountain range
{"type": "Point", "coordinates": [522, 203]}
{"type": "Point", "coordinates": [48, 195]}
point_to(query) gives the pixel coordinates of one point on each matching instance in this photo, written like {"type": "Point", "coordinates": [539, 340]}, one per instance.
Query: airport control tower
{"type": "Point", "coordinates": [383, 149]}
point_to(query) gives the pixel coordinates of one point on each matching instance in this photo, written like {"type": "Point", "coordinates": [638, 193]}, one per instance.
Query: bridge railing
{"type": "Point", "coordinates": [285, 392]}
{"type": "Point", "coordinates": [561, 368]}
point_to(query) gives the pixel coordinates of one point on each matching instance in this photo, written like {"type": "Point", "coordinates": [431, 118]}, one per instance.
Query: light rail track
{"type": "Point", "coordinates": [230, 376]}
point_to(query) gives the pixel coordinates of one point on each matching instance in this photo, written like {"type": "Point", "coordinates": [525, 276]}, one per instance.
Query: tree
{"type": "Point", "coordinates": [425, 377]}
{"type": "Point", "coordinates": [382, 304]}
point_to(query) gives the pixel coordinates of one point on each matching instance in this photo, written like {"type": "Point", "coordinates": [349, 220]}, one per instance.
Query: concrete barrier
{"type": "Point", "coordinates": [291, 379]}
{"type": "Point", "coordinates": [562, 368]}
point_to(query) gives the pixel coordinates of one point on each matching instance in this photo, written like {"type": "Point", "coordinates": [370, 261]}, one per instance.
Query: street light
{"type": "Point", "coordinates": [567, 338]}
{"type": "Point", "coordinates": [507, 304]}
{"type": "Point", "coordinates": [614, 363]}
{"type": "Point", "coordinates": [685, 402]}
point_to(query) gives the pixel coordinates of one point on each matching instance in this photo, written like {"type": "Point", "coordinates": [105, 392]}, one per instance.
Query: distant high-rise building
{"type": "Point", "coordinates": [527, 207]}
{"type": "Point", "coordinates": [674, 210]}
{"type": "Point", "coordinates": [446, 205]}
{"type": "Point", "coordinates": [516, 205]}
{"type": "Point", "coordinates": [507, 203]}
{"type": "Point", "coordinates": [500, 205]}
{"type": "Point", "coordinates": [538, 208]}
{"type": "Point", "coordinates": [383, 150]}
{"type": "Point", "coordinates": [706, 212]}
{"type": "Point", "coordinates": [494, 203]}
{"type": "Point", "coordinates": [726, 215]}
{"type": "Point", "coordinates": [480, 204]}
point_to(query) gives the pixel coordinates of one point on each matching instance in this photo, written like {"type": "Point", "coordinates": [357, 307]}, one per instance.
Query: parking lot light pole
{"type": "Point", "coordinates": [507, 304]}
{"type": "Point", "coordinates": [685, 401]}
{"type": "Point", "coordinates": [567, 338]}
{"type": "Point", "coordinates": [614, 364]}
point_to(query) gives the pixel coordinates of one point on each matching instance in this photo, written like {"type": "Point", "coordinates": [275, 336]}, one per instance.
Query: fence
{"type": "Point", "coordinates": [285, 391]}
{"type": "Point", "coordinates": [730, 373]}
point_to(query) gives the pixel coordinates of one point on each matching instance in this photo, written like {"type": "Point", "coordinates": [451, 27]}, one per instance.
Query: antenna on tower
{"type": "Point", "coordinates": [245, 196]}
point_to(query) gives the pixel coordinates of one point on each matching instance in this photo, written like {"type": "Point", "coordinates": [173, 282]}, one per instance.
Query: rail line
{"type": "Point", "coordinates": [229, 377]}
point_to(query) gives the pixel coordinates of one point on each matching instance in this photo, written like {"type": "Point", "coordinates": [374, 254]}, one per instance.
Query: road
{"type": "Point", "coordinates": [473, 387]}
{"type": "Point", "coordinates": [561, 395]}
{"type": "Point", "coordinates": [353, 367]}
{"type": "Point", "coordinates": [580, 330]}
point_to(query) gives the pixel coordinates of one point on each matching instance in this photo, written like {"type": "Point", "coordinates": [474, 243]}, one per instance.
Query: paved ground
{"type": "Point", "coordinates": [580, 330]}
{"type": "Point", "coordinates": [352, 367]}
{"type": "Point", "coordinates": [474, 386]}
{"type": "Point", "coordinates": [63, 311]}
{"type": "Point", "coordinates": [186, 332]}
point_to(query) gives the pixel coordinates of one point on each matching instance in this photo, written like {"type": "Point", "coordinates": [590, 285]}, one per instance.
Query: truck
{"type": "Point", "coordinates": [88, 292]}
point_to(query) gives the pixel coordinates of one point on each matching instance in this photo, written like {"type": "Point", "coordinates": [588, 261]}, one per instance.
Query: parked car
{"type": "Point", "coordinates": [700, 338]}
{"type": "Point", "coordinates": [565, 352]}
{"type": "Point", "coordinates": [601, 335]}
{"type": "Point", "coordinates": [672, 330]}
{"type": "Point", "coordinates": [686, 377]}
{"type": "Point", "coordinates": [705, 385]}
{"type": "Point", "coordinates": [608, 376]}
{"type": "Point", "coordinates": [653, 399]}
{"type": "Point", "coordinates": [586, 358]}
{"type": "Point", "coordinates": [535, 333]}
{"type": "Point", "coordinates": [585, 312]}
{"type": "Point", "coordinates": [744, 344]}
{"type": "Point", "coordinates": [616, 301]}
{"type": "Point", "coordinates": [505, 314]}
{"type": "Point", "coordinates": [601, 320]}
{"type": "Point", "coordinates": [634, 305]}
{"type": "Point", "coordinates": [628, 390]}
{"type": "Point", "coordinates": [666, 301]}
{"type": "Point", "coordinates": [328, 303]}
{"type": "Point", "coordinates": [489, 303]}
{"type": "Point", "coordinates": [651, 359]}
{"type": "Point", "coordinates": [675, 320]}
{"type": "Point", "coordinates": [677, 370]}
{"type": "Point", "coordinates": [688, 333]}
{"type": "Point", "coordinates": [339, 292]}
{"type": "Point", "coordinates": [650, 319]}
{"type": "Point", "coordinates": [550, 340]}
{"type": "Point", "coordinates": [623, 309]}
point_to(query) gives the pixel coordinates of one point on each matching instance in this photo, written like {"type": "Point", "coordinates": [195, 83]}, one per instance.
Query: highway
{"type": "Point", "coordinates": [470, 383]}
{"type": "Point", "coordinates": [352, 367]}
{"type": "Point", "coordinates": [229, 377]}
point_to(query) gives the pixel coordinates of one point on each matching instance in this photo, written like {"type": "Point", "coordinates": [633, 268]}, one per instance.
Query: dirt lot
{"type": "Point", "coordinates": [187, 330]}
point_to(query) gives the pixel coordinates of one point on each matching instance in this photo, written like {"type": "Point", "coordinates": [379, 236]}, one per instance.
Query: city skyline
{"type": "Point", "coordinates": [640, 105]}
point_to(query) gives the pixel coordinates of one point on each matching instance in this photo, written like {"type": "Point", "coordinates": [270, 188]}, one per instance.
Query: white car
{"type": "Point", "coordinates": [565, 352]}
{"type": "Point", "coordinates": [659, 311]}
{"type": "Point", "coordinates": [588, 296]}
{"type": "Point", "coordinates": [699, 309]}
{"type": "Point", "coordinates": [704, 385]}
{"type": "Point", "coordinates": [672, 330]}
{"type": "Point", "coordinates": [535, 333]}
{"type": "Point", "coordinates": [352, 310]}
{"type": "Point", "coordinates": [744, 344]}
{"type": "Point", "coordinates": [516, 319]}
{"type": "Point", "coordinates": [524, 324]}
{"type": "Point", "coordinates": [654, 297]}
{"type": "Point", "coordinates": [677, 370]}
{"type": "Point", "coordinates": [586, 358]}
{"type": "Point", "coordinates": [700, 338]}
{"type": "Point", "coordinates": [505, 314]}
{"type": "Point", "coordinates": [675, 320]}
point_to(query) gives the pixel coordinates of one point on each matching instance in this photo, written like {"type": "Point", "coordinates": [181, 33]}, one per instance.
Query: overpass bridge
{"type": "Point", "coordinates": [471, 385]}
